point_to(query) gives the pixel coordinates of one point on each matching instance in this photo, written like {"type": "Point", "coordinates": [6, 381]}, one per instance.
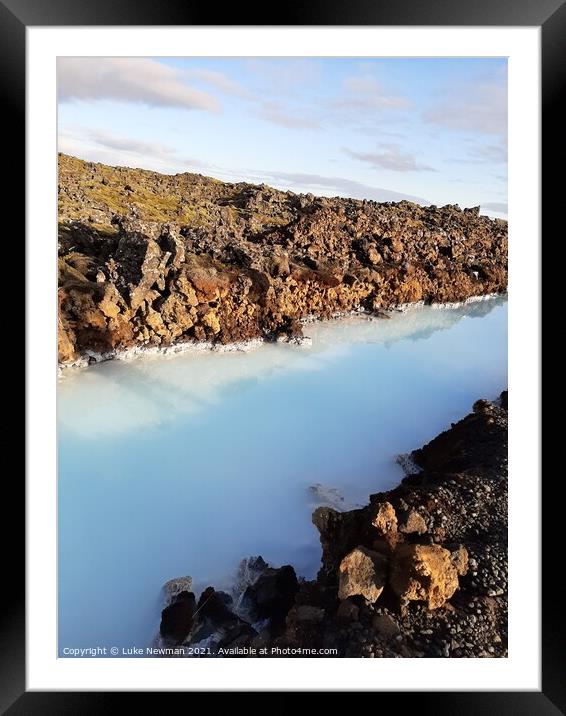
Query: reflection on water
{"type": "Point", "coordinates": [184, 464]}
{"type": "Point", "coordinates": [119, 396]}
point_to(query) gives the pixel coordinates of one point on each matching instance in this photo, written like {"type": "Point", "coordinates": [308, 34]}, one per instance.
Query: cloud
{"type": "Point", "coordinates": [220, 81]}
{"type": "Point", "coordinates": [490, 153]}
{"type": "Point", "coordinates": [472, 107]}
{"type": "Point", "coordinates": [284, 74]}
{"type": "Point", "coordinates": [485, 154]}
{"type": "Point", "coordinates": [129, 79]}
{"type": "Point", "coordinates": [364, 92]}
{"type": "Point", "coordinates": [134, 146]}
{"type": "Point", "coordinates": [359, 102]}
{"type": "Point", "coordinates": [341, 186]}
{"type": "Point", "coordinates": [109, 148]}
{"type": "Point", "coordinates": [276, 113]}
{"type": "Point", "coordinates": [390, 157]}
{"type": "Point", "coordinates": [500, 207]}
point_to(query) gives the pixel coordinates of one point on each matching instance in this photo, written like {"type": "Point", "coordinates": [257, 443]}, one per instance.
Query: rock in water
{"type": "Point", "coordinates": [362, 572]}
{"type": "Point", "coordinates": [273, 594]}
{"type": "Point", "coordinates": [474, 504]}
{"type": "Point", "coordinates": [249, 571]}
{"type": "Point", "coordinates": [177, 617]}
{"type": "Point", "coordinates": [424, 573]}
{"type": "Point", "coordinates": [175, 586]}
{"type": "Point", "coordinates": [215, 622]}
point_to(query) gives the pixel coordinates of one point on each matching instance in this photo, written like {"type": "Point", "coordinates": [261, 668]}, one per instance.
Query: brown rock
{"type": "Point", "coordinates": [385, 519]}
{"type": "Point", "coordinates": [155, 322]}
{"type": "Point", "coordinates": [423, 573]}
{"type": "Point", "coordinates": [459, 558]}
{"type": "Point", "coordinates": [211, 321]}
{"type": "Point", "coordinates": [362, 572]}
{"type": "Point", "coordinates": [280, 266]}
{"type": "Point", "coordinates": [258, 257]}
{"type": "Point", "coordinates": [374, 256]}
{"type": "Point", "coordinates": [413, 523]}
{"type": "Point", "coordinates": [66, 347]}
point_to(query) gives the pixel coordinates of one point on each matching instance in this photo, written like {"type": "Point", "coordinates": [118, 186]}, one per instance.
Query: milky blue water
{"type": "Point", "coordinates": [185, 464]}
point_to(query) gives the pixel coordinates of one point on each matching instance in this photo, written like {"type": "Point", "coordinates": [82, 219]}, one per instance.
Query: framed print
{"type": "Point", "coordinates": [282, 334]}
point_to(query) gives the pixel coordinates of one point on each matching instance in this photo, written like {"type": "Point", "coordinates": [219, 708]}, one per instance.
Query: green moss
{"type": "Point", "coordinates": [267, 220]}
{"type": "Point", "coordinates": [104, 230]}
{"type": "Point", "coordinates": [186, 199]}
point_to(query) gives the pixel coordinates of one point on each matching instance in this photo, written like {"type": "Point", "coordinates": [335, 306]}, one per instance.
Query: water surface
{"type": "Point", "coordinates": [185, 464]}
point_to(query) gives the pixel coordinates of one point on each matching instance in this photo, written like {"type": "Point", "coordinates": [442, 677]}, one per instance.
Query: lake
{"type": "Point", "coordinates": [184, 464]}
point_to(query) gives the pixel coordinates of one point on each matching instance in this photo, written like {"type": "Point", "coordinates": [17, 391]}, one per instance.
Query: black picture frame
{"type": "Point", "coordinates": [15, 17]}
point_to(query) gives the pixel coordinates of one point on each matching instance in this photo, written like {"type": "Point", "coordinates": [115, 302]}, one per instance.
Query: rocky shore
{"type": "Point", "coordinates": [421, 571]}
{"type": "Point", "coordinates": [150, 261]}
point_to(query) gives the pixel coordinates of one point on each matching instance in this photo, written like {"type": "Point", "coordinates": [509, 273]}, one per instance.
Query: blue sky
{"type": "Point", "coordinates": [430, 129]}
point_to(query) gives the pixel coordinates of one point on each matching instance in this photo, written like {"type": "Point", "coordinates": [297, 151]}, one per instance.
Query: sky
{"type": "Point", "coordinates": [433, 130]}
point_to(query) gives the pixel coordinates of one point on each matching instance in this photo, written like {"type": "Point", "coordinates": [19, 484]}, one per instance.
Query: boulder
{"type": "Point", "coordinates": [215, 605]}
{"type": "Point", "coordinates": [272, 594]}
{"type": "Point", "coordinates": [385, 522]}
{"type": "Point", "coordinates": [214, 619]}
{"type": "Point", "coordinates": [385, 519]}
{"type": "Point", "coordinates": [249, 570]}
{"type": "Point", "coordinates": [423, 573]}
{"type": "Point", "coordinates": [362, 572]}
{"type": "Point", "coordinates": [413, 523]}
{"type": "Point", "coordinates": [175, 586]}
{"type": "Point", "coordinates": [177, 617]}
{"type": "Point", "coordinates": [211, 321]}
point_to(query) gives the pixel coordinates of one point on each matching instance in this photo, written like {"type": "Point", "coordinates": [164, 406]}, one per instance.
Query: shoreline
{"type": "Point", "coordinates": [236, 266]}
{"type": "Point", "coordinates": [418, 571]}
{"type": "Point", "coordinates": [90, 358]}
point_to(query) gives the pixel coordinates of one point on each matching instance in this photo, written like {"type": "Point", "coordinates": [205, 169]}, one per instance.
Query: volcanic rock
{"type": "Point", "coordinates": [272, 594]}
{"type": "Point", "coordinates": [362, 572]}
{"type": "Point", "coordinates": [424, 573]}
{"type": "Point", "coordinates": [174, 586]}
{"type": "Point", "coordinates": [190, 258]}
{"type": "Point", "coordinates": [385, 519]}
{"type": "Point", "coordinates": [177, 617]}
{"type": "Point", "coordinates": [413, 523]}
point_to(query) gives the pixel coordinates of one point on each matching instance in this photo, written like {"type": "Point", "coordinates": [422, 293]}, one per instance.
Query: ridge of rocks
{"type": "Point", "coordinates": [147, 259]}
